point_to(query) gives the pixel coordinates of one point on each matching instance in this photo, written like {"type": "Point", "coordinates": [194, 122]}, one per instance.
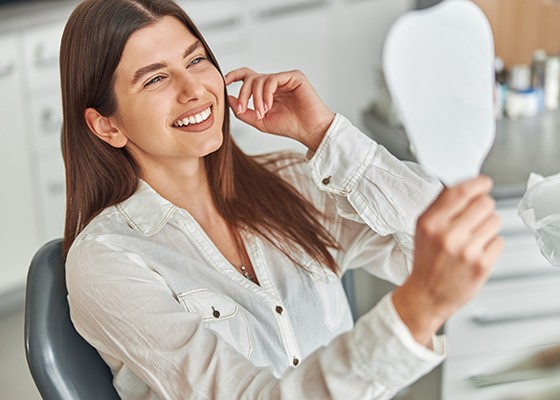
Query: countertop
{"type": "Point", "coordinates": [521, 146]}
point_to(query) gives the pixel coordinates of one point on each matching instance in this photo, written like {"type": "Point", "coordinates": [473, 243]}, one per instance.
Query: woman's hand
{"type": "Point", "coordinates": [456, 245]}
{"type": "Point", "coordinates": [285, 104]}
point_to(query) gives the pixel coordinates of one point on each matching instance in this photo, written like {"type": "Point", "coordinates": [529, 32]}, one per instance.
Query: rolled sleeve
{"type": "Point", "coordinates": [383, 191]}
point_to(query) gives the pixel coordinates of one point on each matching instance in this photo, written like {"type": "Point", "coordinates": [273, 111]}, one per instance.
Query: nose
{"type": "Point", "coordinates": [190, 88]}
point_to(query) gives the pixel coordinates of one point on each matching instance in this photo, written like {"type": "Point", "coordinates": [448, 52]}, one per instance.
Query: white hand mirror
{"type": "Point", "coordinates": [438, 63]}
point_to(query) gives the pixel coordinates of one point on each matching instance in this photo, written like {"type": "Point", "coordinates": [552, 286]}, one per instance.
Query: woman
{"type": "Point", "coordinates": [199, 272]}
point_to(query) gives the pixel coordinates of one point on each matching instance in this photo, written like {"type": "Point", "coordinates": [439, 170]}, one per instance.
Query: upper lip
{"type": "Point", "coordinates": [194, 111]}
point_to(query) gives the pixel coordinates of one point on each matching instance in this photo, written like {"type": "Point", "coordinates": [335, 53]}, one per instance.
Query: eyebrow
{"type": "Point", "coordinates": [159, 65]}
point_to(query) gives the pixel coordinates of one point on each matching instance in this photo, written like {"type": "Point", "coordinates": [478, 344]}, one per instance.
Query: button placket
{"type": "Point", "coordinates": [287, 333]}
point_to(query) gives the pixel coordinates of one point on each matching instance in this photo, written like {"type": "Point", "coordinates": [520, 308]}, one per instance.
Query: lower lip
{"type": "Point", "coordinates": [200, 127]}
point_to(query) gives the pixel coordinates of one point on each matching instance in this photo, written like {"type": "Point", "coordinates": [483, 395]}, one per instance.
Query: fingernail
{"type": "Point", "coordinates": [265, 108]}
{"type": "Point", "coordinates": [259, 115]}
{"type": "Point", "coordinates": [239, 109]}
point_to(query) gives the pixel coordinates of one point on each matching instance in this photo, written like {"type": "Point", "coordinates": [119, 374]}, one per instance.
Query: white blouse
{"type": "Point", "coordinates": [175, 320]}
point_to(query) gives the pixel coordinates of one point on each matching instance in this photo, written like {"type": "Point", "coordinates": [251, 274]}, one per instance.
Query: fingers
{"type": "Point", "coordinates": [453, 200]}
{"type": "Point", "coordinates": [238, 75]}
{"type": "Point", "coordinates": [249, 116]}
{"type": "Point", "coordinates": [261, 88]}
{"type": "Point", "coordinates": [462, 220]}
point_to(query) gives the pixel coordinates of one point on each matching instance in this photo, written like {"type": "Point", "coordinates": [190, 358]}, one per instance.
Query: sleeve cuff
{"type": "Point", "coordinates": [341, 158]}
{"type": "Point", "coordinates": [383, 349]}
{"type": "Point", "coordinates": [438, 341]}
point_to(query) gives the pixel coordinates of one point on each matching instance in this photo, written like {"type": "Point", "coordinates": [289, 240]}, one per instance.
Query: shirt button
{"type": "Point", "coordinates": [279, 309]}
{"type": "Point", "coordinates": [215, 313]}
{"type": "Point", "coordinates": [295, 361]}
{"type": "Point", "coordinates": [326, 180]}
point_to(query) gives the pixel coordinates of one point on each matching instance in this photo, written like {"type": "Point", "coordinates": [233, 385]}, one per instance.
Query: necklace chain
{"type": "Point", "coordinates": [242, 267]}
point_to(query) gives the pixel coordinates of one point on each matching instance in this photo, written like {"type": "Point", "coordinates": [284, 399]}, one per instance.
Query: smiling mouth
{"type": "Point", "coordinates": [194, 119]}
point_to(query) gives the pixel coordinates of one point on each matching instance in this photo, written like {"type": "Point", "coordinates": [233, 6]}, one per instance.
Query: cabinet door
{"type": "Point", "coordinates": [41, 51]}
{"type": "Point", "coordinates": [289, 35]}
{"type": "Point", "coordinates": [17, 230]}
{"type": "Point", "coordinates": [358, 30]}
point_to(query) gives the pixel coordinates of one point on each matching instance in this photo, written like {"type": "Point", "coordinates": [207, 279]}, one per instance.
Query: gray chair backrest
{"type": "Point", "coordinates": [63, 365]}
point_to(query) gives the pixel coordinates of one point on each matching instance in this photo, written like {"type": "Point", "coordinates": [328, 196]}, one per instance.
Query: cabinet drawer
{"type": "Point", "coordinates": [276, 8]}
{"type": "Point", "coordinates": [52, 194]}
{"type": "Point", "coordinates": [208, 14]}
{"type": "Point", "coordinates": [8, 58]}
{"type": "Point", "coordinates": [46, 114]}
{"type": "Point", "coordinates": [41, 50]}
{"type": "Point", "coordinates": [457, 373]}
{"type": "Point", "coordinates": [520, 258]}
{"type": "Point", "coordinates": [507, 317]}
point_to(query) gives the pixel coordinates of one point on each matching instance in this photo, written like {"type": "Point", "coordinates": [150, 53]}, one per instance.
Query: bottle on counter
{"type": "Point", "coordinates": [500, 88]}
{"type": "Point", "coordinates": [538, 72]}
{"type": "Point", "coordinates": [522, 100]}
{"type": "Point", "coordinates": [552, 82]}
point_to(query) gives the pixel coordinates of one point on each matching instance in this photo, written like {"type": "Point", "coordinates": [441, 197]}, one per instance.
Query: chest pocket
{"type": "Point", "coordinates": [330, 291]}
{"type": "Point", "coordinates": [221, 315]}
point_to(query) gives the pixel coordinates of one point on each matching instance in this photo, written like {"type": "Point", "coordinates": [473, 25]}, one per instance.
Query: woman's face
{"type": "Point", "coordinates": [170, 97]}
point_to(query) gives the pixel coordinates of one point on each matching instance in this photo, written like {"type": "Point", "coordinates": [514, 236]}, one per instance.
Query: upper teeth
{"type": "Point", "coordinates": [194, 119]}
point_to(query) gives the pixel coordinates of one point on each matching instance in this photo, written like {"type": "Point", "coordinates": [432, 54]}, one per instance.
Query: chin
{"type": "Point", "coordinates": [213, 146]}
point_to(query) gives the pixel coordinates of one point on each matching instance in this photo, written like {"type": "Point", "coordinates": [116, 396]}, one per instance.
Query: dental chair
{"type": "Point", "coordinates": [63, 365]}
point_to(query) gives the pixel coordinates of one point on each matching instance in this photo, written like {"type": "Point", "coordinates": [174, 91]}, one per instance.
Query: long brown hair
{"type": "Point", "coordinates": [99, 175]}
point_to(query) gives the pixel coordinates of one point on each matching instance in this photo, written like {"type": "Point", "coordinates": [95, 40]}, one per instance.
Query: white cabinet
{"type": "Point", "coordinates": [516, 314]}
{"type": "Point", "coordinates": [288, 35]}
{"type": "Point", "coordinates": [42, 89]}
{"type": "Point", "coordinates": [41, 49]}
{"type": "Point", "coordinates": [356, 37]}
{"type": "Point", "coordinates": [31, 168]}
{"type": "Point", "coordinates": [18, 239]}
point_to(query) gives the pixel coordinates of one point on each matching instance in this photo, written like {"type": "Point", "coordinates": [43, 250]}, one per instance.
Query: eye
{"type": "Point", "coordinates": [154, 80]}
{"type": "Point", "coordinates": [197, 60]}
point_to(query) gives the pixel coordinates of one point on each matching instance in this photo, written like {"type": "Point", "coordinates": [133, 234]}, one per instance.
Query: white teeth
{"type": "Point", "coordinates": [194, 119]}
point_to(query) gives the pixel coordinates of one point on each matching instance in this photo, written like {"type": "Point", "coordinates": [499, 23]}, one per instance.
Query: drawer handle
{"type": "Point", "coordinates": [50, 122]}
{"type": "Point", "coordinates": [280, 10]}
{"type": "Point", "coordinates": [499, 378]}
{"type": "Point", "coordinates": [56, 188]}
{"type": "Point", "coordinates": [485, 320]}
{"type": "Point", "coordinates": [539, 365]}
{"type": "Point", "coordinates": [43, 60]}
{"type": "Point", "coordinates": [6, 69]}
{"type": "Point", "coordinates": [221, 24]}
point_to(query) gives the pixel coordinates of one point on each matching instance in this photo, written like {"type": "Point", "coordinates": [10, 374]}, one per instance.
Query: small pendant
{"type": "Point", "coordinates": [245, 273]}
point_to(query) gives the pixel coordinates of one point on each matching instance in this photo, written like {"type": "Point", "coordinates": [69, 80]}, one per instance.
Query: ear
{"type": "Point", "coordinates": [104, 129]}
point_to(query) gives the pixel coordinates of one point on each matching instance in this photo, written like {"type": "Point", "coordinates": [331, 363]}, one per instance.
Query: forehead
{"type": "Point", "coordinates": [160, 41]}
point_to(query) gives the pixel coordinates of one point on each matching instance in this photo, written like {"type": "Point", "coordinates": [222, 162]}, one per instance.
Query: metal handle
{"type": "Point", "coordinates": [43, 60]}
{"type": "Point", "coordinates": [56, 188]}
{"type": "Point", "coordinates": [50, 121]}
{"type": "Point", "coordinates": [502, 377]}
{"type": "Point", "coordinates": [485, 320]}
{"type": "Point", "coordinates": [280, 10]}
{"type": "Point", "coordinates": [7, 69]}
{"type": "Point", "coordinates": [221, 24]}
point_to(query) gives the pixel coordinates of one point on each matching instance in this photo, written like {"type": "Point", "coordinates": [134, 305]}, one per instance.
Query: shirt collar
{"type": "Point", "coordinates": [146, 210]}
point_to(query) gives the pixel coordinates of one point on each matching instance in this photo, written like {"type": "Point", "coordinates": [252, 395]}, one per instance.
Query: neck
{"type": "Point", "coordinates": [185, 186]}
